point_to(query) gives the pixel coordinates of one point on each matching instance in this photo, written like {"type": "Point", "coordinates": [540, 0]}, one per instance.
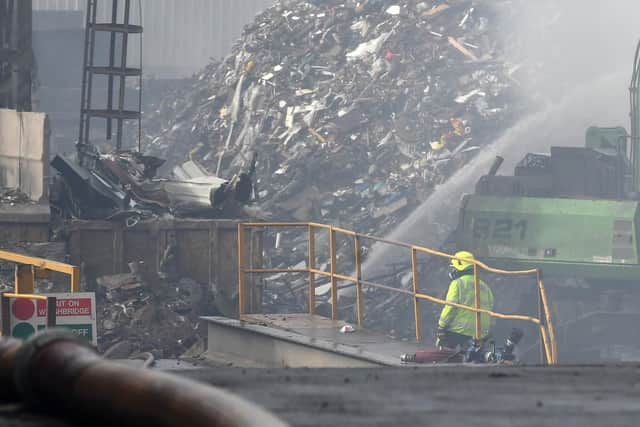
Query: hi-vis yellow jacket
{"type": "Point", "coordinates": [461, 291]}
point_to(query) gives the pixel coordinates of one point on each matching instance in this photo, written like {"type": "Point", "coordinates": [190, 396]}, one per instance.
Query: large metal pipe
{"type": "Point", "coordinates": [59, 372]}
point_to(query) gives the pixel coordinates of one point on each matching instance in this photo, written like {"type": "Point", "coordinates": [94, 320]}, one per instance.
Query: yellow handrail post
{"type": "Point", "coordinates": [241, 279]}
{"type": "Point", "coordinates": [541, 316]}
{"type": "Point", "coordinates": [312, 275]}
{"type": "Point", "coordinates": [359, 308]}
{"type": "Point", "coordinates": [547, 313]}
{"type": "Point", "coordinates": [476, 287]}
{"type": "Point", "coordinates": [547, 346]}
{"type": "Point", "coordinates": [75, 279]}
{"type": "Point", "coordinates": [416, 301]}
{"type": "Point", "coordinates": [334, 283]}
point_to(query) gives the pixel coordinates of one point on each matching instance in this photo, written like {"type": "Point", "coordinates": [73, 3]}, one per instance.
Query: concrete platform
{"type": "Point", "coordinates": [298, 340]}
{"type": "Point", "coordinates": [448, 396]}
{"type": "Point", "coordinates": [569, 396]}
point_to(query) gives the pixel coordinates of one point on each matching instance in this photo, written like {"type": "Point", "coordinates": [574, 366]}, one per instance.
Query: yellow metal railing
{"type": "Point", "coordinates": [30, 268]}
{"type": "Point", "coordinates": [544, 322]}
{"type": "Point", "coordinates": [26, 296]}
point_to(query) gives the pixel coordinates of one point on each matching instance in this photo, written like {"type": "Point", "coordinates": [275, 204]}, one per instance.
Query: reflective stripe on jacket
{"type": "Point", "coordinates": [461, 291]}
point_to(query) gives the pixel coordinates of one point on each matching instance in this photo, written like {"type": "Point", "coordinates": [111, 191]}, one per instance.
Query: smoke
{"type": "Point", "coordinates": [577, 56]}
{"type": "Point", "coordinates": [568, 43]}
{"type": "Point", "coordinates": [561, 123]}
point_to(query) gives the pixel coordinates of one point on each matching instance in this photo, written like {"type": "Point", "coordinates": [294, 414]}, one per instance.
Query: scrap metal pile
{"type": "Point", "coordinates": [356, 110]}
{"type": "Point", "coordinates": [124, 185]}
{"type": "Point", "coordinates": [144, 311]}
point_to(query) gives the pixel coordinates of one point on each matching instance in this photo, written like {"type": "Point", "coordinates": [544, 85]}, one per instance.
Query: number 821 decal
{"type": "Point", "coordinates": [500, 229]}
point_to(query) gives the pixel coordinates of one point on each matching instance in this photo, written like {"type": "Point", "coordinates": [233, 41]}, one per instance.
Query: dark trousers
{"type": "Point", "coordinates": [453, 339]}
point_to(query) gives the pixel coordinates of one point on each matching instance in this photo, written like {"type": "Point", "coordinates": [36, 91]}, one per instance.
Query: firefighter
{"type": "Point", "coordinates": [457, 326]}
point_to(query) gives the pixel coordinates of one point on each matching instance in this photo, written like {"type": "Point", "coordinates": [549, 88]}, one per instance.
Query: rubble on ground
{"type": "Point", "coordinates": [142, 311]}
{"type": "Point", "coordinates": [13, 196]}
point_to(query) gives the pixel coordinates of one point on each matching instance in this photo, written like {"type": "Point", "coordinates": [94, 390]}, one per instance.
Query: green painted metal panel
{"type": "Point", "coordinates": [552, 232]}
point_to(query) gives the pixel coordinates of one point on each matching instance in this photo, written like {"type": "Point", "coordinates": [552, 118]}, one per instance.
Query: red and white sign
{"type": "Point", "coordinates": [68, 307]}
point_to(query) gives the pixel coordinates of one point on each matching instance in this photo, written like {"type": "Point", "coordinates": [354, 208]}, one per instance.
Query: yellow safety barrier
{"type": "Point", "coordinates": [31, 268]}
{"type": "Point", "coordinates": [544, 323]}
{"type": "Point", "coordinates": [26, 296]}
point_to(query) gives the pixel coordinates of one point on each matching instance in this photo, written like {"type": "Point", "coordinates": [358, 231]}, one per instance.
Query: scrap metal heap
{"type": "Point", "coordinates": [123, 185]}
{"type": "Point", "coordinates": [356, 110]}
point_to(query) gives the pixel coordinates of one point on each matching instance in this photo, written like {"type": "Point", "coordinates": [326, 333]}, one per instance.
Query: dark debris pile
{"type": "Point", "coordinates": [144, 312]}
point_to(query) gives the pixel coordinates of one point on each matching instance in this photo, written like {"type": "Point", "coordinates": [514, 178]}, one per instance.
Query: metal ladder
{"type": "Point", "coordinates": [115, 108]}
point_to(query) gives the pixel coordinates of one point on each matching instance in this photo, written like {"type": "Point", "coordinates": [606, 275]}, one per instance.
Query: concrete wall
{"type": "Point", "coordinates": [24, 153]}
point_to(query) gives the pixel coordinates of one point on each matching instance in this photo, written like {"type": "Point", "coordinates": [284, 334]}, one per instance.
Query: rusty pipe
{"type": "Point", "coordinates": [60, 372]}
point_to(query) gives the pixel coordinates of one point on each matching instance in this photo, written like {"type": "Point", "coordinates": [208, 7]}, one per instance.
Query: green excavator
{"type": "Point", "coordinates": [574, 213]}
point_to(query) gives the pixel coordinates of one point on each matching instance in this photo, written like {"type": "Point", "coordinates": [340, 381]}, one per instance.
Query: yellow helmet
{"type": "Point", "coordinates": [460, 265]}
